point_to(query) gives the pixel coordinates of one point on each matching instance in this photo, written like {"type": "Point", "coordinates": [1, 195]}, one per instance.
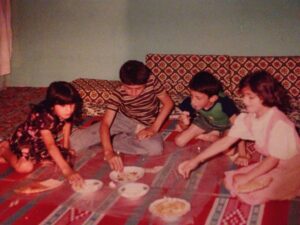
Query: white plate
{"type": "Point", "coordinates": [129, 174]}
{"type": "Point", "coordinates": [133, 190]}
{"type": "Point", "coordinates": [169, 209]}
{"type": "Point", "coordinates": [89, 186]}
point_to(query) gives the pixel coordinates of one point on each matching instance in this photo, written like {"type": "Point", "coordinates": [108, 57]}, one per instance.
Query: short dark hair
{"type": "Point", "coordinates": [62, 93]}
{"type": "Point", "coordinates": [267, 88]}
{"type": "Point", "coordinates": [206, 83]}
{"type": "Point", "coordinates": [134, 72]}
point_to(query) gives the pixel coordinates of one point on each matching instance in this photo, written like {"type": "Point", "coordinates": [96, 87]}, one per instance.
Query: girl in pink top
{"type": "Point", "coordinates": [276, 176]}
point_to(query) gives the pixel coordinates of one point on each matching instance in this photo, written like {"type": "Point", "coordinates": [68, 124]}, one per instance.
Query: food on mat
{"type": "Point", "coordinates": [38, 186]}
{"type": "Point", "coordinates": [254, 185]}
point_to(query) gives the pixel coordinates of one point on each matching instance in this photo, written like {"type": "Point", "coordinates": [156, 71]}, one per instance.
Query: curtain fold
{"type": "Point", "coordinates": [5, 37]}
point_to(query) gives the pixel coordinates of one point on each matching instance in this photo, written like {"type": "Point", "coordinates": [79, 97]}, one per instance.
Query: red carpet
{"type": "Point", "coordinates": [211, 203]}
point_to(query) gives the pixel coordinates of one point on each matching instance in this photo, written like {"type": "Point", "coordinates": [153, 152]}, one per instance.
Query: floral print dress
{"type": "Point", "coordinates": [27, 141]}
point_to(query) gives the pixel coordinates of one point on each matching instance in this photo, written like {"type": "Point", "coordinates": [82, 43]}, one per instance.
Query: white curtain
{"type": "Point", "coordinates": [5, 40]}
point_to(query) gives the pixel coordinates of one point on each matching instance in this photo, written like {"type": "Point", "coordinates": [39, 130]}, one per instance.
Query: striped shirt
{"type": "Point", "coordinates": [144, 107]}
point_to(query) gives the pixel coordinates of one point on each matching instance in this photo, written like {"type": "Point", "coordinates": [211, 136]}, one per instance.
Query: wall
{"type": "Point", "coordinates": [67, 39]}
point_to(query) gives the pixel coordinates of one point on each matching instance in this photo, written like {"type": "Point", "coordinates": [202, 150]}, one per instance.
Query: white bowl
{"type": "Point", "coordinates": [133, 190]}
{"type": "Point", "coordinates": [89, 186]}
{"type": "Point", "coordinates": [129, 174]}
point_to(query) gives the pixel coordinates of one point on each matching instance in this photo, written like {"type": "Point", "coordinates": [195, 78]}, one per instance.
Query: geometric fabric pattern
{"type": "Point", "coordinates": [285, 69]}
{"type": "Point", "coordinates": [176, 70]}
{"type": "Point", "coordinates": [95, 91]}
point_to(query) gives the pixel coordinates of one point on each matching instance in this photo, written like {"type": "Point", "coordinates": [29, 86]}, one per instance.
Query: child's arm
{"type": "Point", "coordinates": [167, 106]}
{"type": "Point", "coordinates": [66, 141]}
{"type": "Point", "coordinates": [219, 146]}
{"type": "Point", "coordinates": [264, 166]}
{"type": "Point", "coordinates": [184, 121]}
{"type": "Point", "coordinates": [73, 177]}
{"type": "Point", "coordinates": [66, 135]}
{"type": "Point", "coordinates": [115, 162]}
{"type": "Point", "coordinates": [242, 158]}
{"type": "Point", "coordinates": [66, 138]}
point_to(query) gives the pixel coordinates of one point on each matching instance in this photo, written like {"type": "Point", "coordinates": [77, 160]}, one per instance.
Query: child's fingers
{"type": "Point", "coordinates": [76, 180]}
{"type": "Point", "coordinates": [116, 163]}
{"type": "Point", "coordinates": [183, 169]}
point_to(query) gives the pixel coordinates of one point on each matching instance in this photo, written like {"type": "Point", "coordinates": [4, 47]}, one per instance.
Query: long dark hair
{"type": "Point", "coordinates": [61, 93]}
{"type": "Point", "coordinates": [267, 88]}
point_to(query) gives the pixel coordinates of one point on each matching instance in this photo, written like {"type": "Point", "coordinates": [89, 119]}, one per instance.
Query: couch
{"type": "Point", "coordinates": [176, 70]}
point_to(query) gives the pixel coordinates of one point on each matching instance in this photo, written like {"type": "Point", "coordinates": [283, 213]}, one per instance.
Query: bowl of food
{"type": "Point", "coordinates": [133, 190]}
{"type": "Point", "coordinates": [129, 174]}
{"type": "Point", "coordinates": [169, 209]}
{"type": "Point", "coordinates": [89, 186]}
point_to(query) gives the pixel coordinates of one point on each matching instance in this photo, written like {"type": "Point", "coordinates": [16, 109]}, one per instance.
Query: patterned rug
{"type": "Point", "coordinates": [210, 201]}
{"type": "Point", "coordinates": [15, 106]}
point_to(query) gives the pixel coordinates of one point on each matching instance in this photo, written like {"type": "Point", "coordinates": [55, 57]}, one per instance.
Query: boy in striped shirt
{"type": "Point", "coordinates": [133, 115]}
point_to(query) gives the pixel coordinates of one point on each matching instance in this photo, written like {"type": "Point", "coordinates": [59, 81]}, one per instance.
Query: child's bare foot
{"type": "Point", "coordinates": [242, 160]}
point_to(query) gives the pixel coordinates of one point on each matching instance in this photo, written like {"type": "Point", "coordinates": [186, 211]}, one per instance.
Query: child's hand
{"type": "Point", "coordinates": [115, 163]}
{"type": "Point", "coordinates": [184, 119]}
{"type": "Point", "coordinates": [145, 133]}
{"type": "Point", "coordinates": [186, 167]}
{"type": "Point", "coordinates": [75, 179]}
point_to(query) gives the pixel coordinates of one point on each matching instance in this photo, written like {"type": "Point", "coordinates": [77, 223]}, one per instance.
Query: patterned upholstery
{"type": "Point", "coordinates": [175, 71]}
{"type": "Point", "coordinates": [94, 93]}
{"type": "Point", "coordinates": [94, 90]}
{"type": "Point", "coordinates": [284, 69]}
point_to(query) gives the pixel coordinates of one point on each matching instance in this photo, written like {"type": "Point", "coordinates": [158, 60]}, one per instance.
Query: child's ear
{"type": "Point", "coordinates": [213, 98]}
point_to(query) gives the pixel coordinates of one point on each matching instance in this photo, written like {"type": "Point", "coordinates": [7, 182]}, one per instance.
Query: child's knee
{"type": "Point", "coordinates": [24, 166]}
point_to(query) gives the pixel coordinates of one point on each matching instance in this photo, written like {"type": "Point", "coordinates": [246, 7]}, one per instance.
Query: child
{"type": "Point", "coordinates": [276, 177]}
{"type": "Point", "coordinates": [36, 139]}
{"type": "Point", "coordinates": [207, 113]}
{"type": "Point", "coordinates": [133, 116]}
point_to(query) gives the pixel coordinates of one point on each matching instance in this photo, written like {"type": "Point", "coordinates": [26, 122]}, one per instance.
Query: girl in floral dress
{"type": "Point", "coordinates": [276, 176]}
{"type": "Point", "coordinates": [35, 140]}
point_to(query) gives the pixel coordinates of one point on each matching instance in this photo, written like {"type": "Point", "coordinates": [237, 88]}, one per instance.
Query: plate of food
{"type": "Point", "coordinates": [254, 185]}
{"type": "Point", "coordinates": [39, 186]}
{"type": "Point", "coordinates": [89, 186]}
{"type": "Point", "coordinates": [133, 190]}
{"type": "Point", "coordinates": [129, 174]}
{"type": "Point", "coordinates": [169, 209]}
